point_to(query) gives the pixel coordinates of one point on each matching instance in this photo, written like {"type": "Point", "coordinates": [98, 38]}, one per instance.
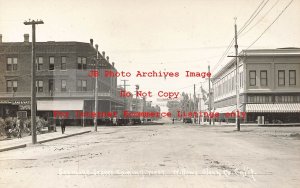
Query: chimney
{"type": "Point", "coordinates": [113, 64]}
{"type": "Point", "coordinates": [26, 37]}
{"type": "Point", "coordinates": [107, 58]}
{"type": "Point", "coordinates": [91, 42]}
{"type": "Point", "coordinates": [103, 54]}
{"type": "Point", "coordinates": [0, 38]}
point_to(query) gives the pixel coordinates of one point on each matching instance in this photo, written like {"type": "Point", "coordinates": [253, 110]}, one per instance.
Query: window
{"type": "Point", "coordinates": [81, 85]}
{"type": "Point", "coordinates": [39, 63]}
{"type": "Point", "coordinates": [250, 99]}
{"type": "Point", "coordinates": [229, 84]}
{"type": "Point", "coordinates": [287, 99]}
{"type": "Point", "coordinates": [12, 64]}
{"type": "Point", "coordinates": [51, 86]}
{"type": "Point", "coordinates": [292, 77]}
{"type": "Point", "coordinates": [12, 85]}
{"type": "Point", "coordinates": [51, 63]}
{"type": "Point", "coordinates": [81, 63]}
{"type": "Point", "coordinates": [241, 80]}
{"type": "Point", "coordinates": [39, 85]}
{"type": "Point", "coordinates": [281, 77]}
{"type": "Point", "coordinates": [263, 78]}
{"type": "Point", "coordinates": [63, 85]}
{"type": "Point", "coordinates": [233, 83]}
{"type": "Point", "coordinates": [63, 65]}
{"type": "Point", "coordinates": [252, 76]}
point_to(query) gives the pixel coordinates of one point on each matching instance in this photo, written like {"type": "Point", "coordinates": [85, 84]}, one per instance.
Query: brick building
{"type": "Point", "coordinates": [269, 85]}
{"type": "Point", "coordinates": [62, 78]}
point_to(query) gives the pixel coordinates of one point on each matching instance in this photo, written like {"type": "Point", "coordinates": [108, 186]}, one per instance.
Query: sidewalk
{"type": "Point", "coordinates": [15, 143]}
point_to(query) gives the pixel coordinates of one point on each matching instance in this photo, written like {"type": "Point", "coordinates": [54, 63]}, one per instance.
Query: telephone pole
{"type": "Point", "coordinates": [137, 87]}
{"type": "Point", "coordinates": [33, 84]}
{"type": "Point", "coordinates": [96, 90]}
{"type": "Point", "coordinates": [237, 120]}
{"type": "Point", "coordinates": [194, 106]}
{"type": "Point", "coordinates": [124, 85]}
{"type": "Point", "coordinates": [209, 96]}
{"type": "Point", "coordinates": [199, 109]}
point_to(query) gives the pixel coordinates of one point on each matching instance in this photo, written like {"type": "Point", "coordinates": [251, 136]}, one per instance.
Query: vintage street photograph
{"type": "Point", "coordinates": [139, 93]}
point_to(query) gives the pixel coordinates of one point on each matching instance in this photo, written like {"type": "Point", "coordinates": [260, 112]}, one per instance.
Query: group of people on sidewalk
{"type": "Point", "coordinates": [19, 126]}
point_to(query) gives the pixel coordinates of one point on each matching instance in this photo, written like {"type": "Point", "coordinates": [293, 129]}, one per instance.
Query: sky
{"type": "Point", "coordinates": [159, 35]}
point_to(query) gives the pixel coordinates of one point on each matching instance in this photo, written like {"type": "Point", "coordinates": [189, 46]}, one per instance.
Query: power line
{"type": "Point", "coordinates": [253, 16]}
{"type": "Point", "coordinates": [246, 24]}
{"type": "Point", "coordinates": [271, 24]}
{"type": "Point", "coordinates": [261, 18]}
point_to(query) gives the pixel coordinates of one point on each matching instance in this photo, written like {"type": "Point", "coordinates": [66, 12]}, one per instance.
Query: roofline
{"type": "Point", "coordinates": [260, 53]}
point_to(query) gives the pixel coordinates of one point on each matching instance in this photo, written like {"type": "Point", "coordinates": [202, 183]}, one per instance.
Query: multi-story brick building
{"type": "Point", "coordinates": [269, 85]}
{"type": "Point", "coordinates": [62, 80]}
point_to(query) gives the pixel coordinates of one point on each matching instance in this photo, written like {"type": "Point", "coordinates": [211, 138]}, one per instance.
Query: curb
{"type": "Point", "coordinates": [13, 147]}
{"type": "Point", "coordinates": [61, 137]}
{"type": "Point", "coordinates": [42, 141]}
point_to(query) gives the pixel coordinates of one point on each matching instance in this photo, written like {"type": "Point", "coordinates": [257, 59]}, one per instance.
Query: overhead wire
{"type": "Point", "coordinates": [271, 24]}
{"type": "Point", "coordinates": [261, 18]}
{"type": "Point", "coordinates": [246, 24]}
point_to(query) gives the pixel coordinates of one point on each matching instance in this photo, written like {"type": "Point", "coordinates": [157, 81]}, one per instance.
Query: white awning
{"type": "Point", "coordinates": [227, 109]}
{"type": "Point", "coordinates": [273, 108]}
{"type": "Point", "coordinates": [60, 105]}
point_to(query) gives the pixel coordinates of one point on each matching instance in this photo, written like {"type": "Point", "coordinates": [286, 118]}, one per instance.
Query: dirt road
{"type": "Point", "coordinates": [160, 156]}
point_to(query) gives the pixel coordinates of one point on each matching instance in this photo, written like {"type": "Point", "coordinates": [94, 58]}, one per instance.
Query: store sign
{"type": "Point", "coordinates": [5, 102]}
{"type": "Point", "coordinates": [20, 102]}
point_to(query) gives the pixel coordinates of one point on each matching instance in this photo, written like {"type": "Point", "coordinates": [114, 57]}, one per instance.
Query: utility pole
{"type": "Point", "coordinates": [96, 90]}
{"type": "Point", "coordinates": [194, 106]}
{"type": "Point", "coordinates": [209, 96]}
{"type": "Point", "coordinates": [237, 120]}
{"type": "Point", "coordinates": [124, 85]}
{"type": "Point", "coordinates": [137, 87]}
{"type": "Point", "coordinates": [33, 84]}
{"type": "Point", "coordinates": [199, 108]}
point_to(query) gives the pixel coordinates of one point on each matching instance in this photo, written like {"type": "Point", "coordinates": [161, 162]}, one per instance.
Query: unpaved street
{"type": "Point", "coordinates": [160, 156]}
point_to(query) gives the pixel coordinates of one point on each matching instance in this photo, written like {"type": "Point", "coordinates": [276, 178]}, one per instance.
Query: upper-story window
{"type": "Point", "coordinates": [292, 77]}
{"type": "Point", "coordinates": [12, 64]}
{"type": "Point", "coordinates": [263, 78]}
{"type": "Point", "coordinates": [81, 63]}
{"type": "Point", "coordinates": [11, 85]}
{"type": "Point", "coordinates": [230, 84]}
{"type": "Point", "coordinates": [63, 65]}
{"type": "Point", "coordinates": [241, 80]}
{"type": "Point", "coordinates": [281, 77]}
{"type": "Point", "coordinates": [81, 85]}
{"type": "Point", "coordinates": [63, 85]}
{"type": "Point", "coordinates": [39, 63]}
{"type": "Point", "coordinates": [39, 86]}
{"type": "Point", "coordinates": [51, 63]}
{"type": "Point", "coordinates": [252, 78]}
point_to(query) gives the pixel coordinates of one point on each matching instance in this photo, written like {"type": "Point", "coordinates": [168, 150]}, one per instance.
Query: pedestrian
{"type": "Point", "coordinates": [62, 125]}
{"type": "Point", "coordinates": [173, 120]}
{"type": "Point", "coordinates": [18, 127]}
{"type": "Point", "coordinates": [114, 121]}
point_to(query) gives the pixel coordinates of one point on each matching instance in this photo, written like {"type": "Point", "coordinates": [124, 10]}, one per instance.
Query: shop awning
{"type": "Point", "coordinates": [227, 109]}
{"type": "Point", "coordinates": [60, 105]}
{"type": "Point", "coordinates": [273, 108]}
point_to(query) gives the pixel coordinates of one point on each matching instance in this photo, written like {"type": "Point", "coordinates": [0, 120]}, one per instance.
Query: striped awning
{"type": "Point", "coordinates": [273, 108]}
